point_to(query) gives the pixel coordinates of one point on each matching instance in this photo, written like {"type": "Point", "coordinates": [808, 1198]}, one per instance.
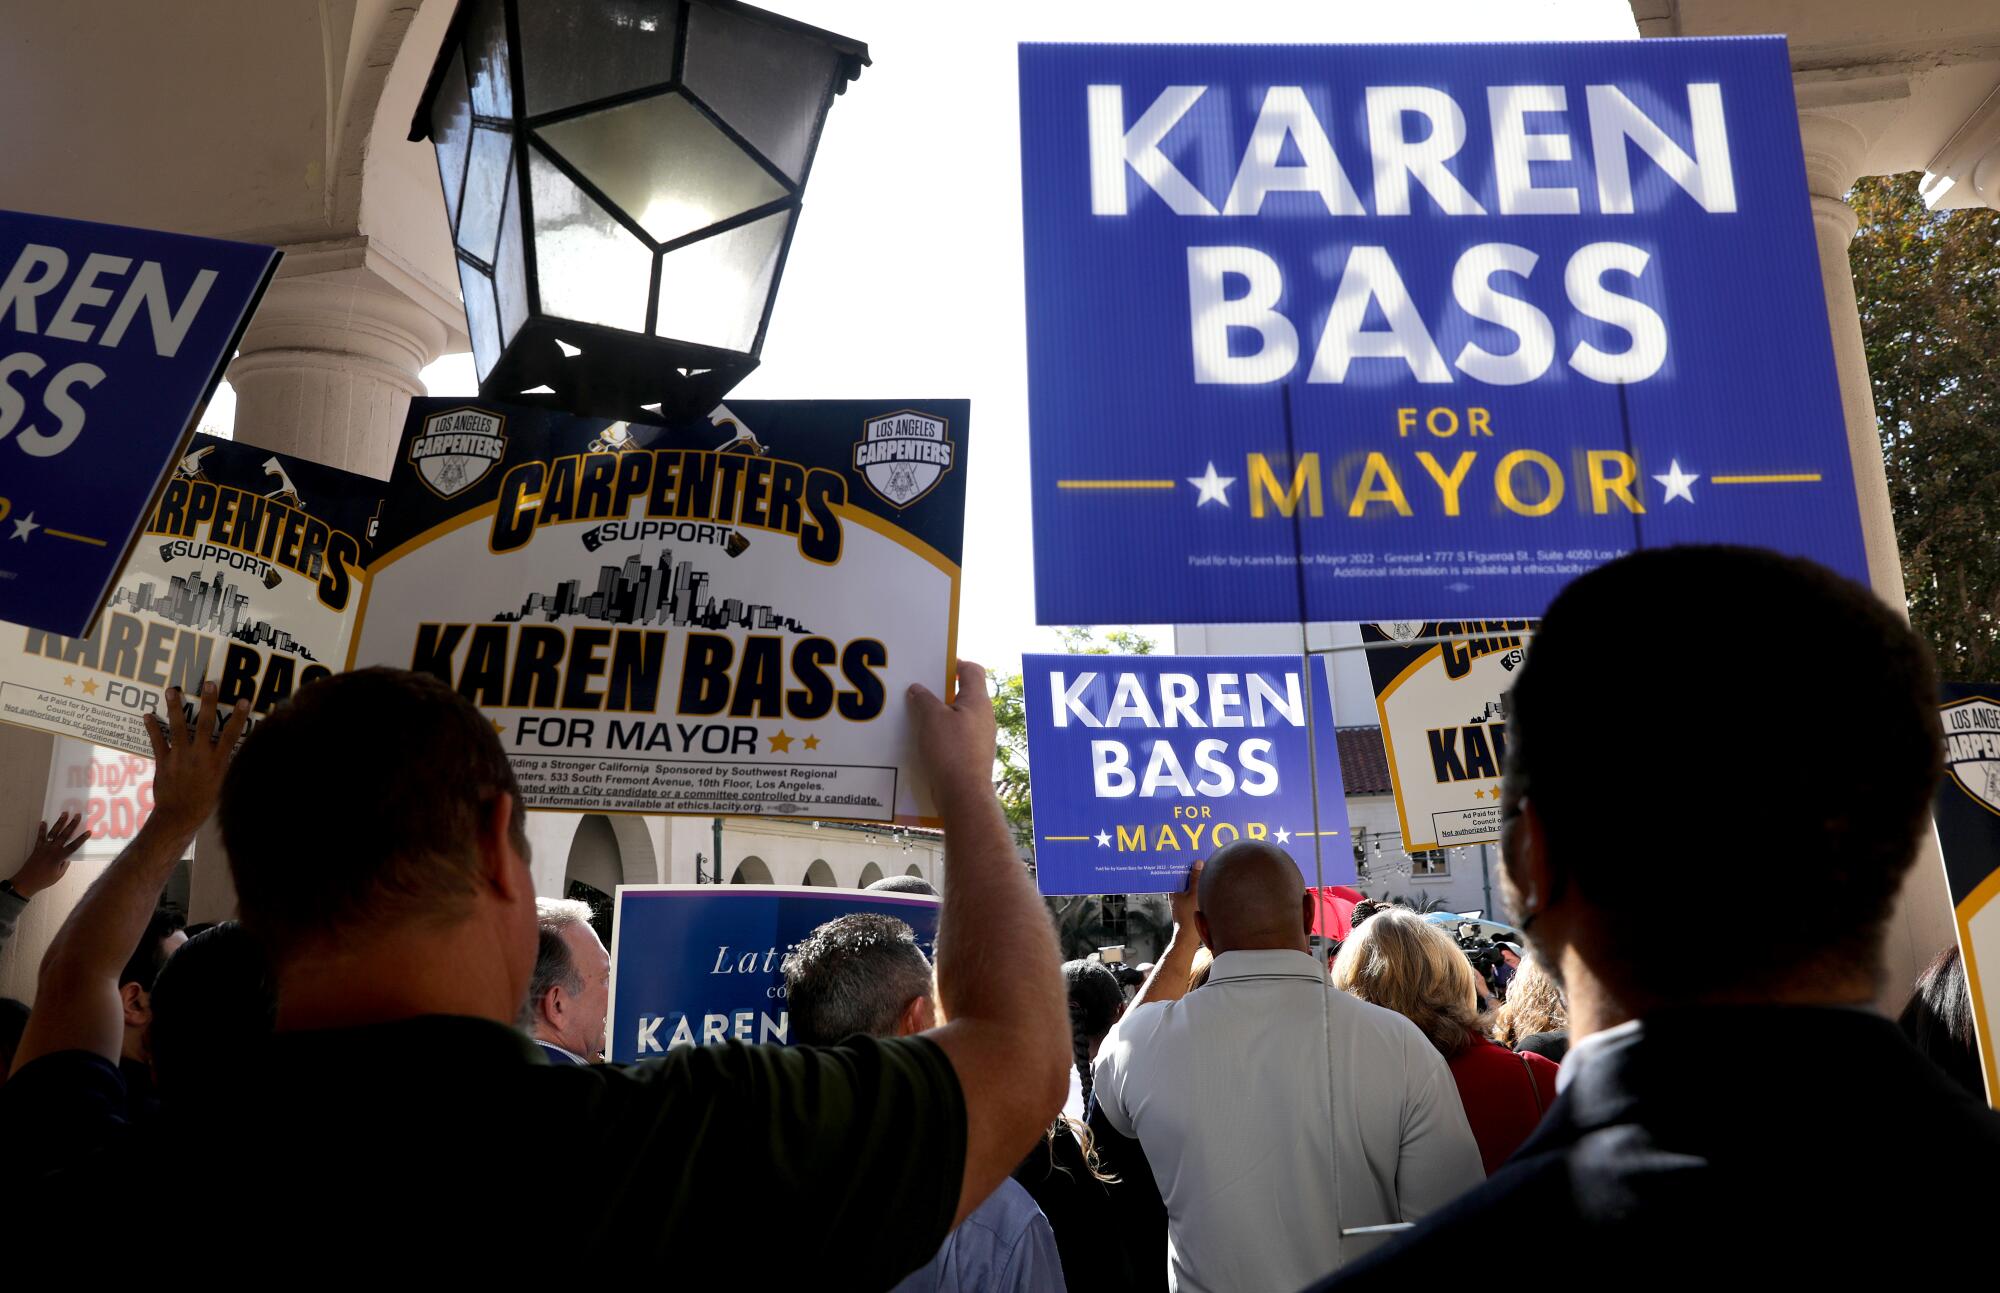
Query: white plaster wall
{"type": "Point", "coordinates": [790, 848]}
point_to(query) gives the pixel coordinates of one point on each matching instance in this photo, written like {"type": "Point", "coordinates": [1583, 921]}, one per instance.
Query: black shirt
{"type": "Point", "coordinates": [1551, 1046]}
{"type": "Point", "coordinates": [450, 1141]}
{"type": "Point", "coordinates": [1774, 1147]}
{"type": "Point", "coordinates": [1109, 1234]}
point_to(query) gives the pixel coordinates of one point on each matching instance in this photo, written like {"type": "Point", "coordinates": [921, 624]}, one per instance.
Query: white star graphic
{"type": "Point", "coordinates": [1283, 836]}
{"type": "Point", "coordinates": [1104, 839]}
{"type": "Point", "coordinates": [25, 527]}
{"type": "Point", "coordinates": [1677, 482]}
{"type": "Point", "coordinates": [1214, 488]}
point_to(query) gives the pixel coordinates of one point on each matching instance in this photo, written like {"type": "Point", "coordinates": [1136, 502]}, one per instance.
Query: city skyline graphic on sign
{"type": "Point", "coordinates": [664, 592]}
{"type": "Point", "coordinates": [210, 605]}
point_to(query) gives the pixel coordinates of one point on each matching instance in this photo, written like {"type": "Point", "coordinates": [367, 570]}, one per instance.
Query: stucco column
{"type": "Point", "coordinates": [1833, 152]}
{"type": "Point", "coordinates": [327, 368]}
{"type": "Point", "coordinates": [1921, 924]}
{"type": "Point", "coordinates": [1657, 17]}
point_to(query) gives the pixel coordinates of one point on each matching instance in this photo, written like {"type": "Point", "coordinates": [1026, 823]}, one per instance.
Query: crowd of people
{"type": "Point", "coordinates": [393, 1057]}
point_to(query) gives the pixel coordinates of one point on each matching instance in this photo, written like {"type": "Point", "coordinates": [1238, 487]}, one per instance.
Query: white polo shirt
{"type": "Point", "coordinates": [1275, 1111]}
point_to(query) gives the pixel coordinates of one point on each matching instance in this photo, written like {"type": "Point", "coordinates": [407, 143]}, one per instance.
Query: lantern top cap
{"type": "Point", "coordinates": [854, 53]}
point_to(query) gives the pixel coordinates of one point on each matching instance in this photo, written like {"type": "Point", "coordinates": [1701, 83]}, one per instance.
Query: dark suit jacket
{"type": "Point", "coordinates": [1815, 1147]}
{"type": "Point", "coordinates": [556, 1054]}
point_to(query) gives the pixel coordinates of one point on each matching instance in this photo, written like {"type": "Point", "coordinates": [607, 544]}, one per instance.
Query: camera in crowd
{"type": "Point", "coordinates": [1130, 977]}
{"type": "Point", "coordinates": [1488, 954]}
{"type": "Point", "coordinates": [1493, 948]}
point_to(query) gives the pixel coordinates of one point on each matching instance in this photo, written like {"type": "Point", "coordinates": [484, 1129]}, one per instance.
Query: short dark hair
{"type": "Point", "coordinates": [1794, 711]}
{"type": "Point", "coordinates": [903, 884]}
{"type": "Point", "coordinates": [853, 975]}
{"type": "Point", "coordinates": [1938, 1021]}
{"type": "Point", "coordinates": [215, 1003]}
{"type": "Point", "coordinates": [404, 771]}
{"type": "Point", "coordinates": [1362, 911]}
{"type": "Point", "coordinates": [1095, 1000]}
{"type": "Point", "coordinates": [147, 959]}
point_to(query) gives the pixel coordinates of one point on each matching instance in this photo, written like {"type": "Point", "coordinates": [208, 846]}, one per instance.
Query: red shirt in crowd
{"type": "Point", "coordinates": [1503, 1102]}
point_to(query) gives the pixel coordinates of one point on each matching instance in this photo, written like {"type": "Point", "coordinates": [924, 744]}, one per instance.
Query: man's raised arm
{"type": "Point", "coordinates": [76, 998]}
{"type": "Point", "coordinates": [1006, 1014]}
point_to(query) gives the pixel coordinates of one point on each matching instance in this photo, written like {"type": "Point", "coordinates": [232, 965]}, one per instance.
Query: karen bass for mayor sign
{"type": "Point", "coordinates": [1140, 766]}
{"type": "Point", "coordinates": [111, 341]}
{"type": "Point", "coordinates": [1370, 332]}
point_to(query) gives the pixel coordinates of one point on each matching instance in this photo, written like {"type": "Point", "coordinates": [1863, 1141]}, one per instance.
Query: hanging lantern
{"type": "Point", "coordinates": [622, 179]}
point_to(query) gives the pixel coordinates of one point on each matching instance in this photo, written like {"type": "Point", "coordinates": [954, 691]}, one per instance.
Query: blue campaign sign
{"type": "Point", "coordinates": [1416, 331]}
{"type": "Point", "coordinates": [1140, 766]}
{"type": "Point", "coordinates": [111, 341]}
{"type": "Point", "coordinates": [694, 964]}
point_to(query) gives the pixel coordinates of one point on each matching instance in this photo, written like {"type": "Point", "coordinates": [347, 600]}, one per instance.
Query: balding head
{"type": "Point", "coordinates": [1253, 897]}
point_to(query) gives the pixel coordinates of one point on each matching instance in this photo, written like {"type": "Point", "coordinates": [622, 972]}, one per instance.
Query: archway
{"type": "Point", "coordinates": [869, 875]}
{"type": "Point", "coordinates": [594, 870]}
{"type": "Point", "coordinates": [915, 870]}
{"type": "Point", "coordinates": [751, 870]}
{"type": "Point", "coordinates": [637, 862]}
{"type": "Point", "coordinates": [819, 874]}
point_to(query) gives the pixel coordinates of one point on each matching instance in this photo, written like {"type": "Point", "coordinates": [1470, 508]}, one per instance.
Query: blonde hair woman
{"type": "Point", "coordinates": [1533, 1018]}
{"type": "Point", "coordinates": [1402, 962]}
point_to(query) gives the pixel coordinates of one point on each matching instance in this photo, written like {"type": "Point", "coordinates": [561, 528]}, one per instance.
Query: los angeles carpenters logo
{"type": "Point", "coordinates": [903, 455]}
{"type": "Point", "coordinates": [1972, 748]}
{"type": "Point", "coordinates": [456, 449]}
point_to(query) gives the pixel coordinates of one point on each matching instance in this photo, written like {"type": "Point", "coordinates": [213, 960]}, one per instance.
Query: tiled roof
{"type": "Point", "coordinates": [1364, 765]}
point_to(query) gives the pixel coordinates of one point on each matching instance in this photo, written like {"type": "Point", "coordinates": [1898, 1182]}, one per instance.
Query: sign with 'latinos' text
{"type": "Point", "coordinates": [1359, 332]}
{"type": "Point", "coordinates": [721, 616]}
{"type": "Point", "coordinates": [111, 341]}
{"type": "Point", "coordinates": [1140, 766]}
{"type": "Point", "coordinates": [248, 573]}
{"type": "Point", "coordinates": [1443, 709]}
{"type": "Point", "coordinates": [697, 964]}
{"type": "Point", "coordinates": [1968, 826]}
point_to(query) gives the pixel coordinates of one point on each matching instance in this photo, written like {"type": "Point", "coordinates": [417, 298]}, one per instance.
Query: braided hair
{"type": "Point", "coordinates": [1095, 999]}
{"type": "Point", "coordinates": [1094, 1002]}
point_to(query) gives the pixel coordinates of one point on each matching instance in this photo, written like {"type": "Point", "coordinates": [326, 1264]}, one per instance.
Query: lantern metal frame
{"type": "Point", "coordinates": [639, 376]}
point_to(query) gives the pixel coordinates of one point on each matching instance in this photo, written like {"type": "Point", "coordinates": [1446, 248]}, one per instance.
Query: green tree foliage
{"type": "Point", "coordinates": [1928, 287]}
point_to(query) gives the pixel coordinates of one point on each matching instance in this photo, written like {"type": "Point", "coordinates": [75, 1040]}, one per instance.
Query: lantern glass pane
{"type": "Point", "coordinates": [665, 164]}
{"type": "Point", "coordinates": [768, 83]}
{"type": "Point", "coordinates": [485, 191]}
{"type": "Point", "coordinates": [486, 59]}
{"type": "Point", "coordinates": [481, 321]}
{"type": "Point", "coordinates": [588, 266]}
{"type": "Point", "coordinates": [573, 53]}
{"type": "Point", "coordinates": [451, 132]}
{"type": "Point", "coordinates": [712, 292]}
{"type": "Point", "coordinates": [510, 266]}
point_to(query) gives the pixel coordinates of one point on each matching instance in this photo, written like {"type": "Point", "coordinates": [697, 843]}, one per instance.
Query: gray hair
{"type": "Point", "coordinates": [554, 966]}
{"type": "Point", "coordinates": [853, 975]}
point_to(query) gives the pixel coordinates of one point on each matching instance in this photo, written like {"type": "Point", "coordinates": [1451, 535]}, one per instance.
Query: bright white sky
{"type": "Point", "coordinates": [905, 279]}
